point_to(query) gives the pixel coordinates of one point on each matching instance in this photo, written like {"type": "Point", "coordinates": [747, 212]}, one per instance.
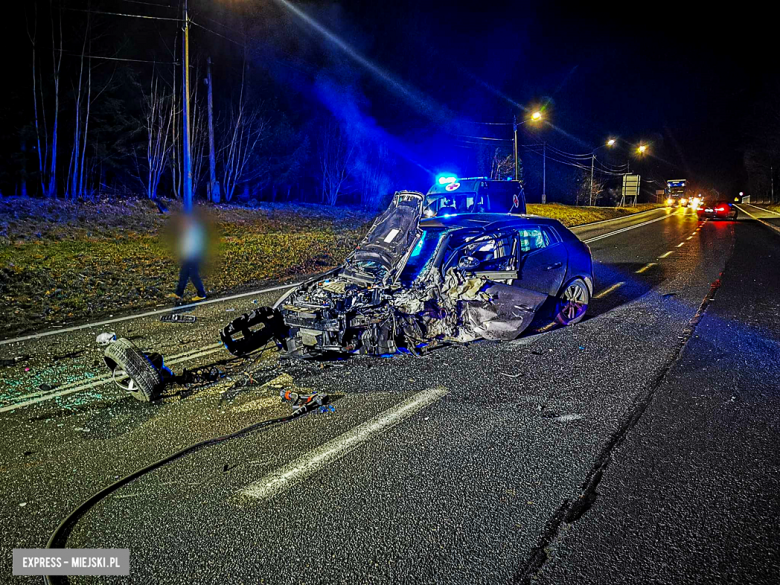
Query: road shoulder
{"type": "Point", "coordinates": [693, 493]}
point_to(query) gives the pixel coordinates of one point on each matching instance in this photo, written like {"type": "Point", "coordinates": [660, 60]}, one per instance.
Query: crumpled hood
{"type": "Point", "coordinates": [390, 240]}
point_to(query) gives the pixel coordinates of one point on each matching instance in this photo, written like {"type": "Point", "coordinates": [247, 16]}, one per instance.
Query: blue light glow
{"type": "Point", "coordinates": [446, 178]}
{"type": "Point", "coordinates": [418, 247]}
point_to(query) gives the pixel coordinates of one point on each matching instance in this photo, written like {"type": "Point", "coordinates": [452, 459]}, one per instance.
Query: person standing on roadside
{"type": "Point", "coordinates": [192, 249]}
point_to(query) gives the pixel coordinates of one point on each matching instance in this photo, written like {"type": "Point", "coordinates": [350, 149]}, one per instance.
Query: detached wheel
{"type": "Point", "coordinates": [572, 303]}
{"type": "Point", "coordinates": [133, 370]}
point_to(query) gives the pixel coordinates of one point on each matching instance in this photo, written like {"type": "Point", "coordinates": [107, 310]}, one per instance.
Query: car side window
{"type": "Point", "coordinates": [532, 238]}
{"type": "Point", "coordinates": [493, 253]}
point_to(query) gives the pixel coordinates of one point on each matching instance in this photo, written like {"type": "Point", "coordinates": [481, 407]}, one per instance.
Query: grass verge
{"type": "Point", "coordinates": [62, 262]}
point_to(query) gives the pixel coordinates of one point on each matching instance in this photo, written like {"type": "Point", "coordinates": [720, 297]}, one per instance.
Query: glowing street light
{"type": "Point", "coordinates": [642, 149]}
{"type": "Point", "coordinates": [536, 116]}
{"type": "Point", "coordinates": [611, 142]}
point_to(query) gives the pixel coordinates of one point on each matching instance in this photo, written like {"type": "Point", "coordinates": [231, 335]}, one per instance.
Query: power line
{"type": "Point", "coordinates": [144, 16]}
{"type": "Point", "coordinates": [488, 123]}
{"type": "Point", "coordinates": [211, 20]}
{"type": "Point", "coordinates": [71, 54]}
{"type": "Point", "coordinates": [485, 138]}
{"type": "Point", "coordinates": [149, 3]}
{"type": "Point", "coordinates": [216, 33]}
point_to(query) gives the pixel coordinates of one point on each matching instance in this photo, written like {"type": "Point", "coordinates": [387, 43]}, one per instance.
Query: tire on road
{"type": "Point", "coordinates": [572, 303]}
{"type": "Point", "coordinates": [123, 357]}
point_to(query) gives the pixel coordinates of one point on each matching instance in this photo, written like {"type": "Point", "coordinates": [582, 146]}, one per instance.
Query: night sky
{"type": "Point", "coordinates": [683, 80]}
{"type": "Point", "coordinates": [680, 79]}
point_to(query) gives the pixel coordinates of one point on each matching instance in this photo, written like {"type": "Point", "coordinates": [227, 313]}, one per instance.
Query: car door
{"type": "Point", "coordinates": [542, 259]}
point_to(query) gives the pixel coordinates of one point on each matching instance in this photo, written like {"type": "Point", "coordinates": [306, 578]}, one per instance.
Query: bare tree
{"type": "Point", "coordinates": [198, 141]}
{"type": "Point", "coordinates": [47, 152]}
{"type": "Point", "coordinates": [158, 118]}
{"type": "Point", "coordinates": [56, 64]}
{"type": "Point", "coordinates": [502, 165]}
{"type": "Point", "coordinates": [75, 168]}
{"type": "Point", "coordinates": [244, 129]}
{"type": "Point", "coordinates": [336, 154]}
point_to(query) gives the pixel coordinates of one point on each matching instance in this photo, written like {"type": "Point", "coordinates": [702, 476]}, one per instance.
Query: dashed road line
{"type": "Point", "coordinates": [612, 288]}
{"type": "Point", "coordinates": [647, 266]}
{"type": "Point", "coordinates": [681, 244]}
{"type": "Point", "coordinates": [285, 477]}
{"type": "Point", "coordinates": [667, 254]}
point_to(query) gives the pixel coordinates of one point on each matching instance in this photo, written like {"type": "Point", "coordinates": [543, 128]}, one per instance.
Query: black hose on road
{"type": "Point", "coordinates": [60, 535]}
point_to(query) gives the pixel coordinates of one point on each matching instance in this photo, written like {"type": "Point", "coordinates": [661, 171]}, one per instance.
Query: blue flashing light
{"type": "Point", "coordinates": [446, 178]}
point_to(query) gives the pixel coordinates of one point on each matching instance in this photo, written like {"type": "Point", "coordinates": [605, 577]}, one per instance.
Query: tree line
{"type": "Point", "coordinates": [94, 126]}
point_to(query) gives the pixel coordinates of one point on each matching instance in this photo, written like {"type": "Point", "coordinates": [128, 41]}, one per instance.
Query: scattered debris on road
{"type": "Point", "coordinates": [176, 318]}
{"type": "Point", "coordinates": [106, 338]}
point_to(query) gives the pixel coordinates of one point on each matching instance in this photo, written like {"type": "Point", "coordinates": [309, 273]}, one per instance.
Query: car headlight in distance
{"type": "Point", "coordinates": [683, 202]}
{"type": "Point", "coordinates": [669, 201]}
{"type": "Point", "coordinates": [696, 203]}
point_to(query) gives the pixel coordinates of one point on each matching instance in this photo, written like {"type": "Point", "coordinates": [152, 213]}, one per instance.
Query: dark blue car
{"type": "Point", "coordinates": [415, 281]}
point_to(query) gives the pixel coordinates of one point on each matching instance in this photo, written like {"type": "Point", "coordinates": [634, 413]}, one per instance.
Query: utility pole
{"type": "Point", "coordinates": [772, 183]}
{"type": "Point", "coordinates": [185, 110]}
{"type": "Point", "coordinates": [517, 172]}
{"type": "Point", "coordinates": [592, 163]}
{"type": "Point", "coordinates": [544, 173]}
{"type": "Point", "coordinates": [213, 184]}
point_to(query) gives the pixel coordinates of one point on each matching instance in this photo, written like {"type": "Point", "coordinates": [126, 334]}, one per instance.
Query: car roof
{"type": "Point", "coordinates": [485, 220]}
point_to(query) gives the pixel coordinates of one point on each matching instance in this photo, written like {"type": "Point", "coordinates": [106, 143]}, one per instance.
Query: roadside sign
{"type": "Point", "coordinates": [660, 191]}
{"type": "Point", "coordinates": [631, 185]}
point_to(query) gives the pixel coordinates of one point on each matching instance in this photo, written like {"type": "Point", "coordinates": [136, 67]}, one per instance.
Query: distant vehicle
{"type": "Point", "coordinates": [676, 188]}
{"type": "Point", "coordinates": [720, 210]}
{"type": "Point", "coordinates": [451, 195]}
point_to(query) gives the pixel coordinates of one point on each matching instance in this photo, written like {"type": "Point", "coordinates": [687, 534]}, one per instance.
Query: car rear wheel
{"type": "Point", "coordinates": [572, 303]}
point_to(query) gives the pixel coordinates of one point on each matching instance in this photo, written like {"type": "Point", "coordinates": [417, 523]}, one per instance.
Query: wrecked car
{"type": "Point", "coordinates": [416, 280]}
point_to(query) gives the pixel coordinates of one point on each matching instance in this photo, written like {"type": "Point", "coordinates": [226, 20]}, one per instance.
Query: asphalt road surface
{"type": "Point", "coordinates": [638, 446]}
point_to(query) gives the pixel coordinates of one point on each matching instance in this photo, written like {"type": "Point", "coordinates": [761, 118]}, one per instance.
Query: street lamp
{"type": "Point", "coordinates": [535, 117]}
{"type": "Point", "coordinates": [611, 142]}
{"type": "Point", "coordinates": [642, 149]}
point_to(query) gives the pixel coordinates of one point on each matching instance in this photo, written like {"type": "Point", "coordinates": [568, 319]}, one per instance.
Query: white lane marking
{"type": "Point", "coordinates": [758, 219]}
{"type": "Point", "coordinates": [625, 229]}
{"type": "Point", "coordinates": [666, 254]}
{"type": "Point", "coordinates": [647, 266]}
{"type": "Point", "coordinates": [147, 314]}
{"type": "Point", "coordinates": [99, 381]}
{"type": "Point", "coordinates": [681, 244]}
{"type": "Point", "coordinates": [689, 238]}
{"type": "Point", "coordinates": [288, 475]}
{"type": "Point", "coordinates": [761, 208]}
{"type": "Point", "coordinates": [612, 288]}
{"type": "Point", "coordinates": [171, 359]}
